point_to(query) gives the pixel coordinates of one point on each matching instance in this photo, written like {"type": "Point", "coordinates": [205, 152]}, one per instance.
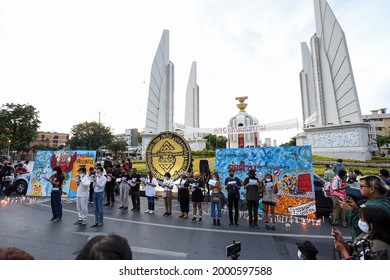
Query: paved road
{"type": "Point", "coordinates": [152, 236]}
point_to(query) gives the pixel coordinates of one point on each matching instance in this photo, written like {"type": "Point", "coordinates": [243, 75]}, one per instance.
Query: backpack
{"type": "Point", "coordinates": [326, 189]}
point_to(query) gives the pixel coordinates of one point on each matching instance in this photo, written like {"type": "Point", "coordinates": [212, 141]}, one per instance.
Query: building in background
{"type": "Point", "coordinates": [379, 121]}
{"type": "Point", "coordinates": [50, 139]}
{"type": "Point", "coordinates": [333, 123]}
{"type": "Point", "coordinates": [133, 147]}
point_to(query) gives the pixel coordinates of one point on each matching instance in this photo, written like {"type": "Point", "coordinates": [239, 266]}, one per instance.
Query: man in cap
{"type": "Point", "coordinates": [307, 251]}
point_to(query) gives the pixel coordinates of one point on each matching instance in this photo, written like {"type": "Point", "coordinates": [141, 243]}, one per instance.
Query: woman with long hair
{"type": "Point", "coordinates": [150, 191]}
{"type": "Point", "coordinates": [56, 180]}
{"type": "Point", "coordinates": [216, 198]}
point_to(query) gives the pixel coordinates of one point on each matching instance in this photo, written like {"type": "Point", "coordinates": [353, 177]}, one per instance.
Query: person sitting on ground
{"type": "Point", "coordinates": [307, 251]}
{"type": "Point", "coordinates": [106, 247]}
{"type": "Point", "coordinates": [13, 253]}
{"type": "Point", "coordinates": [374, 223]}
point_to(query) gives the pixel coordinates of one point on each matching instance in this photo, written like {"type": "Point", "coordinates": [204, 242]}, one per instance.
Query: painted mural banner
{"type": "Point", "coordinates": [69, 161]}
{"type": "Point", "coordinates": [291, 169]}
{"type": "Point", "coordinates": [168, 152]}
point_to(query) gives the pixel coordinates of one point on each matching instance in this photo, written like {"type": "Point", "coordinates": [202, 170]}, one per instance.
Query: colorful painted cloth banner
{"type": "Point", "coordinates": [291, 170]}
{"type": "Point", "coordinates": [69, 161]}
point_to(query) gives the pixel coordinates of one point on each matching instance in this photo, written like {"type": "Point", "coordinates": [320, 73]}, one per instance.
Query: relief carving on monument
{"type": "Point", "coordinates": [333, 139]}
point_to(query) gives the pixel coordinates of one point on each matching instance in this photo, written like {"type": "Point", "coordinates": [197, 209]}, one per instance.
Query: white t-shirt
{"type": "Point", "coordinates": [149, 189]}
{"type": "Point", "coordinates": [166, 183]}
{"type": "Point", "coordinates": [83, 187]}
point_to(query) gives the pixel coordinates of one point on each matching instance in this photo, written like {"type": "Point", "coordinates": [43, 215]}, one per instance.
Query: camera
{"type": "Point", "coordinates": [233, 250]}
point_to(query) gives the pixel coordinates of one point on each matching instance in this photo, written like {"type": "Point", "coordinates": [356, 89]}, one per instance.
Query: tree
{"type": "Point", "coordinates": [292, 142]}
{"type": "Point", "coordinates": [90, 136]}
{"type": "Point", "coordinates": [19, 124]}
{"type": "Point", "coordinates": [118, 145]}
{"type": "Point", "coordinates": [215, 142]}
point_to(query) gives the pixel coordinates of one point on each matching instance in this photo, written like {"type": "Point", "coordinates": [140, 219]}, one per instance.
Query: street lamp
{"type": "Point", "coordinates": [9, 145]}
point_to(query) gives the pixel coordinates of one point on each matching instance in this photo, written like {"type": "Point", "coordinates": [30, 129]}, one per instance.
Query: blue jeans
{"type": "Point", "coordinates": [98, 206]}
{"type": "Point", "coordinates": [56, 205]}
{"type": "Point", "coordinates": [218, 204]}
{"type": "Point", "coordinates": [151, 202]}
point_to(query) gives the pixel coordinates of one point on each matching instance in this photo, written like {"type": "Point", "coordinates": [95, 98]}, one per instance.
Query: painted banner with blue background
{"type": "Point", "coordinates": [291, 169]}
{"type": "Point", "coordinates": [69, 161]}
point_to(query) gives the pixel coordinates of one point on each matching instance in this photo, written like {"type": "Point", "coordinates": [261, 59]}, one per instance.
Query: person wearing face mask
{"type": "Point", "coordinates": [184, 196]}
{"type": "Point", "coordinates": [197, 188]}
{"type": "Point", "coordinates": [307, 251]}
{"type": "Point", "coordinates": [269, 200]}
{"type": "Point", "coordinates": [167, 194]}
{"type": "Point", "coordinates": [338, 166]}
{"type": "Point", "coordinates": [252, 186]}
{"type": "Point", "coordinates": [56, 180]}
{"type": "Point", "coordinates": [232, 186]}
{"type": "Point", "coordinates": [216, 199]}
{"type": "Point", "coordinates": [374, 189]}
{"type": "Point", "coordinates": [135, 182]}
{"type": "Point", "coordinates": [124, 186]}
{"type": "Point", "coordinates": [99, 182]}
{"type": "Point", "coordinates": [82, 184]}
{"type": "Point", "coordinates": [374, 223]}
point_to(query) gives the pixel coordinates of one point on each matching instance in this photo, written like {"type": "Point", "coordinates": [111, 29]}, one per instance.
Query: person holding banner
{"type": "Point", "coordinates": [269, 200]}
{"type": "Point", "coordinates": [232, 186]}
{"type": "Point", "coordinates": [184, 195]}
{"type": "Point", "coordinates": [216, 198]}
{"type": "Point", "coordinates": [197, 188]}
{"type": "Point", "coordinates": [57, 179]}
{"type": "Point", "coordinates": [252, 187]}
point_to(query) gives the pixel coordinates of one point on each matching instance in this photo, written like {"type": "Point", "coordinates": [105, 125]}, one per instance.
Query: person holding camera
{"type": "Point", "coordinates": [252, 186]}
{"type": "Point", "coordinates": [232, 186]}
{"type": "Point", "coordinates": [373, 242]}
{"type": "Point", "coordinates": [374, 189]}
{"type": "Point", "coordinates": [216, 198]}
{"type": "Point", "coordinates": [338, 193]}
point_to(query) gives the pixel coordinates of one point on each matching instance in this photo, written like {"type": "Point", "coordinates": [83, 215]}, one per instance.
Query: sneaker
{"type": "Point", "coordinates": [78, 222]}
{"type": "Point", "coordinates": [58, 220]}
{"type": "Point", "coordinates": [151, 211]}
{"type": "Point", "coordinates": [84, 223]}
{"type": "Point", "coordinates": [52, 219]}
{"type": "Point", "coordinates": [236, 224]}
{"type": "Point", "coordinates": [165, 214]}
{"type": "Point", "coordinates": [214, 222]}
{"type": "Point", "coordinates": [273, 227]}
{"type": "Point", "coordinates": [218, 222]}
{"type": "Point", "coordinates": [230, 224]}
{"type": "Point", "coordinates": [133, 209]}
{"type": "Point", "coordinates": [138, 210]}
{"type": "Point", "coordinates": [112, 205]}
{"type": "Point", "coordinates": [99, 225]}
{"type": "Point", "coordinates": [106, 204]}
{"type": "Point", "coordinates": [250, 225]}
{"type": "Point", "coordinates": [255, 226]}
{"type": "Point", "coordinates": [267, 226]}
{"type": "Point", "coordinates": [121, 207]}
{"type": "Point", "coordinates": [193, 220]}
{"type": "Point", "coordinates": [169, 214]}
{"type": "Point", "coordinates": [200, 221]}
{"type": "Point", "coordinates": [146, 211]}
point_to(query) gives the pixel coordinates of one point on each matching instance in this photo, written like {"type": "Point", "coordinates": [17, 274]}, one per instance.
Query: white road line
{"type": "Point", "coordinates": [210, 230]}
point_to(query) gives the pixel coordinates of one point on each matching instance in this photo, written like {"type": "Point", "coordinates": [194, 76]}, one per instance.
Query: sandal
{"type": "Point", "coordinates": [94, 225]}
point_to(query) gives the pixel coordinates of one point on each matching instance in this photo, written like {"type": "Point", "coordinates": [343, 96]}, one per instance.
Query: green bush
{"type": "Point", "coordinates": [204, 153]}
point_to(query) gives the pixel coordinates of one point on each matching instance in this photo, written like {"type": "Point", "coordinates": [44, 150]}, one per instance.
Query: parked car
{"type": "Point", "coordinates": [18, 185]}
{"type": "Point", "coordinates": [324, 204]}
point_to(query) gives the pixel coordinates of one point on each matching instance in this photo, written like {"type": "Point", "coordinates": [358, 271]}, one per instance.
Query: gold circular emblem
{"type": "Point", "coordinates": [168, 152]}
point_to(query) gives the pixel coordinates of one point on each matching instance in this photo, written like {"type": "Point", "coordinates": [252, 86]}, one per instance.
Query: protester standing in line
{"type": "Point", "coordinates": [197, 188]}
{"type": "Point", "coordinates": [328, 174]}
{"type": "Point", "coordinates": [184, 195]}
{"type": "Point", "coordinates": [82, 196]}
{"type": "Point", "coordinates": [124, 187]}
{"type": "Point", "coordinates": [216, 198]}
{"type": "Point", "coordinates": [99, 182]}
{"type": "Point", "coordinates": [135, 182]}
{"type": "Point", "coordinates": [232, 186]}
{"type": "Point", "coordinates": [252, 186]}
{"type": "Point", "coordinates": [150, 191]}
{"type": "Point", "coordinates": [269, 201]}
{"type": "Point", "coordinates": [168, 185]}
{"type": "Point", "coordinates": [56, 180]}
{"type": "Point", "coordinates": [110, 186]}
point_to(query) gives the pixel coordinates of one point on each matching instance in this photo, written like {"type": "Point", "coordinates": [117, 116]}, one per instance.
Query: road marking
{"type": "Point", "coordinates": [258, 233]}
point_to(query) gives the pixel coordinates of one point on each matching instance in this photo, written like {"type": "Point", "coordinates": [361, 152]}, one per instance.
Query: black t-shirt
{"type": "Point", "coordinates": [136, 178]}
{"type": "Point", "coordinates": [113, 179]}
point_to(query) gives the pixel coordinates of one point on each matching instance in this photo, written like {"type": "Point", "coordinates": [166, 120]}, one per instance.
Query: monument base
{"type": "Point", "coordinates": [345, 141]}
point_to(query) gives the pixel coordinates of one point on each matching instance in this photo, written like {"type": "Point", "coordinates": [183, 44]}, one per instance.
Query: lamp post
{"type": "Point", "coordinates": [9, 146]}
